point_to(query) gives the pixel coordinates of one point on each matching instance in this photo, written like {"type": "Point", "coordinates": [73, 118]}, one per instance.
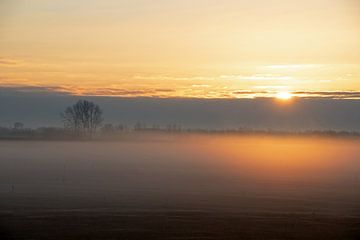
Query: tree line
{"type": "Point", "coordinates": [84, 120]}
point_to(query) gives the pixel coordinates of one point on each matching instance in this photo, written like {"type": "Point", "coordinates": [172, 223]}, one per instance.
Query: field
{"type": "Point", "coordinates": [181, 186]}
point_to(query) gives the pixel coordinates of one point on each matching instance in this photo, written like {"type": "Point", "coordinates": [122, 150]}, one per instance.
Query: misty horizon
{"type": "Point", "coordinates": [43, 109]}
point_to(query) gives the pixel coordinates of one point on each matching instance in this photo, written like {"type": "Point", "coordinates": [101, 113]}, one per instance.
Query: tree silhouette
{"type": "Point", "coordinates": [83, 118]}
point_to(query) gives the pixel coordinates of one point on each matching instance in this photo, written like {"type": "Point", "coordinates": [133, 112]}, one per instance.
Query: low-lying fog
{"type": "Point", "coordinates": [216, 172]}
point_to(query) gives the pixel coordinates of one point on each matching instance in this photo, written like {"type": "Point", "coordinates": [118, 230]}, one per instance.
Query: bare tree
{"type": "Point", "coordinates": [83, 118]}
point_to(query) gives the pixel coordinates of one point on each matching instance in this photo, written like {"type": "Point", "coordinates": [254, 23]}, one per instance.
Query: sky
{"type": "Point", "coordinates": [181, 48]}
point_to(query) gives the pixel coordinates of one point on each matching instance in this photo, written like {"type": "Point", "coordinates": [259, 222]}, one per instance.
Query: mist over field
{"type": "Point", "coordinates": [182, 181]}
{"type": "Point", "coordinates": [43, 109]}
{"type": "Point", "coordinates": [180, 167]}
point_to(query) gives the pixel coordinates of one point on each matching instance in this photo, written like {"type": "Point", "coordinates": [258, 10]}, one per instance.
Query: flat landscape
{"type": "Point", "coordinates": [180, 120]}
{"type": "Point", "coordinates": [181, 186]}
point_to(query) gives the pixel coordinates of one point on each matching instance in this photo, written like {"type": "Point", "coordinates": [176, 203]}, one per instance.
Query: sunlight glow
{"type": "Point", "coordinates": [284, 95]}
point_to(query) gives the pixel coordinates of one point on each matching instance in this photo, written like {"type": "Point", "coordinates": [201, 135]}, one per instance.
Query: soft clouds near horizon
{"type": "Point", "coordinates": [195, 91]}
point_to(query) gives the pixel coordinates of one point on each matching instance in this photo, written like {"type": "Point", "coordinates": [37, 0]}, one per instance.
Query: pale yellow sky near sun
{"type": "Point", "coordinates": [181, 48]}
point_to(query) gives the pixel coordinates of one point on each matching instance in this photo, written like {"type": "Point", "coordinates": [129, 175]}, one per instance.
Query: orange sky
{"type": "Point", "coordinates": [182, 48]}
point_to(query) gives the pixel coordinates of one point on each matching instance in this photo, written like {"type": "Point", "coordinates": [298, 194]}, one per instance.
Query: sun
{"type": "Point", "coordinates": [284, 95]}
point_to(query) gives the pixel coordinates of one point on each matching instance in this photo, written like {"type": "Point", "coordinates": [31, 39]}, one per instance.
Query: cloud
{"type": "Point", "coordinates": [272, 87]}
{"type": "Point", "coordinates": [124, 92]}
{"type": "Point", "coordinates": [200, 85]}
{"type": "Point", "coordinates": [329, 94]}
{"type": "Point", "coordinates": [245, 92]}
{"type": "Point", "coordinates": [34, 89]}
{"type": "Point", "coordinates": [293, 66]}
{"type": "Point", "coordinates": [9, 62]}
{"type": "Point", "coordinates": [84, 91]}
{"type": "Point", "coordinates": [257, 77]}
{"type": "Point", "coordinates": [174, 78]}
{"type": "Point", "coordinates": [173, 93]}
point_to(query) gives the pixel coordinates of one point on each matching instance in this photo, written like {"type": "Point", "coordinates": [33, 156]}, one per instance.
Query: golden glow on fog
{"type": "Point", "coordinates": [284, 158]}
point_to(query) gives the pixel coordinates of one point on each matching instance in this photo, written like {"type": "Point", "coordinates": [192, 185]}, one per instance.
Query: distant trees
{"type": "Point", "coordinates": [18, 126]}
{"type": "Point", "coordinates": [173, 128]}
{"type": "Point", "coordinates": [157, 128]}
{"type": "Point", "coordinates": [139, 126]}
{"type": "Point", "coordinates": [83, 118]}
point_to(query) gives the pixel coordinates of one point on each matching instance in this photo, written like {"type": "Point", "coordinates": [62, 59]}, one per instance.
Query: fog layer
{"type": "Point", "coordinates": [230, 173]}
